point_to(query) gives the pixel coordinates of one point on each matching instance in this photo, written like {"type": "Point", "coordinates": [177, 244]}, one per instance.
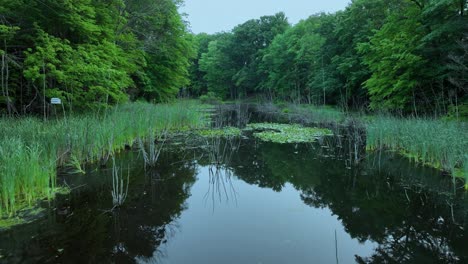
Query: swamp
{"type": "Point", "coordinates": [231, 196]}
{"type": "Point", "coordinates": [246, 131]}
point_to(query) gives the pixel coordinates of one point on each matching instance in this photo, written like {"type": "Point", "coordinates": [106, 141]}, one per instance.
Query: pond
{"type": "Point", "coordinates": [242, 200]}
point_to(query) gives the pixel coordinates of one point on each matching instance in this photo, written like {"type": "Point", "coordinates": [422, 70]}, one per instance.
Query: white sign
{"type": "Point", "coordinates": [55, 101]}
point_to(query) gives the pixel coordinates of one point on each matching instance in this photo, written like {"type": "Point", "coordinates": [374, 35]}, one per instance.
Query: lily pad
{"type": "Point", "coordinates": [285, 133]}
{"type": "Point", "coordinates": [227, 132]}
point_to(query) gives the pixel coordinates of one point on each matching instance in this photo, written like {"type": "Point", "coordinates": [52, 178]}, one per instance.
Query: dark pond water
{"type": "Point", "coordinates": [246, 201]}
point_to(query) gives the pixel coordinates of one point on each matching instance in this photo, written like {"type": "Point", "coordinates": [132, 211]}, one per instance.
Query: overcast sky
{"type": "Point", "coordinates": [212, 16]}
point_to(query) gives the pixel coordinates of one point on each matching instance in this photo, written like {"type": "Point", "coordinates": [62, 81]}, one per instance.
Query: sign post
{"type": "Point", "coordinates": [55, 101]}
{"type": "Point", "coordinates": [58, 101]}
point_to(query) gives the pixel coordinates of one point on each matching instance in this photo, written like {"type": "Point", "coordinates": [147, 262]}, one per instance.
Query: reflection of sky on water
{"type": "Point", "coordinates": [261, 226]}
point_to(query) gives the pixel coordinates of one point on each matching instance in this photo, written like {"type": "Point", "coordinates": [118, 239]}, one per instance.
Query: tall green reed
{"type": "Point", "coordinates": [31, 150]}
{"type": "Point", "coordinates": [441, 144]}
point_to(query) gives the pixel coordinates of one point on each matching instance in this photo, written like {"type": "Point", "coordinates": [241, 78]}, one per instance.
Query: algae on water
{"type": "Point", "coordinates": [287, 133]}
{"type": "Point", "coordinates": [24, 216]}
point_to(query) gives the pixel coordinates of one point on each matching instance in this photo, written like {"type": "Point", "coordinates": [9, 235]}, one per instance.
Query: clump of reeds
{"type": "Point", "coordinates": [441, 144]}
{"type": "Point", "coordinates": [24, 175]}
{"type": "Point", "coordinates": [153, 147]}
{"type": "Point", "coordinates": [119, 187]}
{"type": "Point", "coordinates": [31, 150]}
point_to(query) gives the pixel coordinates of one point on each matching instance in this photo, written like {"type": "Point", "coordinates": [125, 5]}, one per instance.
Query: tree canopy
{"type": "Point", "coordinates": [407, 56]}
{"type": "Point", "coordinates": [91, 53]}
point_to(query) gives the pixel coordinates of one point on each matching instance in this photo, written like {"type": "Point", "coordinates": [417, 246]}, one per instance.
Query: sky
{"type": "Point", "coordinates": [211, 16]}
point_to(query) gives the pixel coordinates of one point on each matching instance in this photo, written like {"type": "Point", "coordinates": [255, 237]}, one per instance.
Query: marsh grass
{"type": "Point", "coordinates": [31, 150]}
{"type": "Point", "coordinates": [434, 142]}
{"type": "Point", "coordinates": [437, 143]}
{"type": "Point", "coordinates": [440, 144]}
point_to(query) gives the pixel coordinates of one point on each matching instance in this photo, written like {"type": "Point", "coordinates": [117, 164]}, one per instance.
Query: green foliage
{"type": "Point", "coordinates": [317, 114]}
{"type": "Point", "coordinates": [396, 68]}
{"type": "Point", "coordinates": [354, 26]}
{"type": "Point", "coordinates": [231, 61]}
{"type": "Point", "coordinates": [247, 50]}
{"type": "Point", "coordinates": [210, 98]}
{"type": "Point", "coordinates": [404, 56]}
{"type": "Point", "coordinates": [292, 60]}
{"type": "Point", "coordinates": [7, 32]}
{"type": "Point", "coordinates": [91, 53]}
{"type": "Point", "coordinates": [87, 76]}
{"type": "Point", "coordinates": [168, 47]}
{"type": "Point", "coordinates": [218, 67]}
{"type": "Point", "coordinates": [198, 84]}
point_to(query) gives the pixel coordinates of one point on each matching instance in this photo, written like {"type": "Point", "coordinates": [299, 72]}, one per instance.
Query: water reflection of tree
{"type": "Point", "coordinates": [408, 226]}
{"type": "Point", "coordinates": [412, 213]}
{"type": "Point", "coordinates": [272, 165]}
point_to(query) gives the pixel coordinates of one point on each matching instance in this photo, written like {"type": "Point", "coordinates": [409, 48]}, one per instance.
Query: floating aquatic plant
{"type": "Point", "coordinates": [226, 132]}
{"type": "Point", "coordinates": [286, 133]}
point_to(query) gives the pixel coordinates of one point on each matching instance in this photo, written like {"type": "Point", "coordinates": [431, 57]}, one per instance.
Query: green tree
{"type": "Point", "coordinates": [392, 57]}
{"type": "Point", "coordinates": [410, 57]}
{"type": "Point", "coordinates": [167, 45]}
{"type": "Point", "coordinates": [91, 53]}
{"type": "Point", "coordinates": [292, 59]}
{"type": "Point", "coordinates": [218, 67]}
{"type": "Point", "coordinates": [355, 25]}
{"type": "Point", "coordinates": [249, 43]}
{"type": "Point", "coordinates": [198, 84]}
{"type": "Point", "coordinates": [445, 25]}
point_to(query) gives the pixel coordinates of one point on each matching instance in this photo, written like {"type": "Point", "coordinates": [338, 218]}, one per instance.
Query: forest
{"type": "Point", "coordinates": [125, 137]}
{"type": "Point", "coordinates": [404, 56]}
{"type": "Point", "coordinates": [91, 53]}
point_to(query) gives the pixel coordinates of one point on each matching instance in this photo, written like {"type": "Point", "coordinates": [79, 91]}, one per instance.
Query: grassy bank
{"type": "Point", "coordinates": [437, 143]}
{"type": "Point", "coordinates": [433, 142]}
{"type": "Point", "coordinates": [31, 150]}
